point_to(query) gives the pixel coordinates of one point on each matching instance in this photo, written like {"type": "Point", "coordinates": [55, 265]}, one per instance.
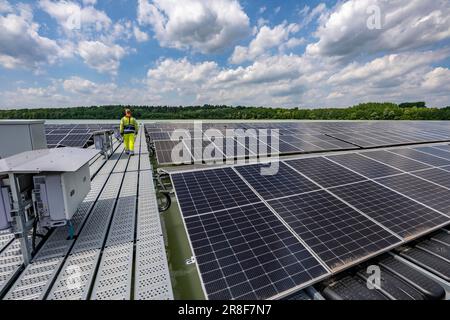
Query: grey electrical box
{"type": "Point", "coordinates": [58, 196]}
{"type": "Point", "coordinates": [5, 209]}
{"type": "Point", "coordinates": [21, 135]}
{"type": "Point", "coordinates": [103, 142]}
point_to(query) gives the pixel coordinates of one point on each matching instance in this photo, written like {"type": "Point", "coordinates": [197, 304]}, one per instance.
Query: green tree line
{"type": "Point", "coordinates": [366, 111]}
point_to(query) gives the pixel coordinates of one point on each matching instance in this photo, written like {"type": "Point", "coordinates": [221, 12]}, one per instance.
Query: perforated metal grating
{"type": "Point", "coordinates": [10, 261]}
{"type": "Point", "coordinates": [152, 280]}
{"type": "Point", "coordinates": [101, 257]}
{"type": "Point", "coordinates": [34, 282]}
{"type": "Point", "coordinates": [113, 282]}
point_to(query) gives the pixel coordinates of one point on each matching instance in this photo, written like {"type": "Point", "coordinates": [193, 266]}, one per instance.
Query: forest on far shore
{"type": "Point", "coordinates": [365, 111]}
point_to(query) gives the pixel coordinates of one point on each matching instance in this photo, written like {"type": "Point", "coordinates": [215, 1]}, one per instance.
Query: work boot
{"type": "Point", "coordinates": [132, 153]}
{"type": "Point", "coordinates": [127, 152]}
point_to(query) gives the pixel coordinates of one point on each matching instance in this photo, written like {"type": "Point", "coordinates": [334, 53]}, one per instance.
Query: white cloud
{"type": "Point", "coordinates": [204, 26]}
{"type": "Point", "coordinates": [406, 25]}
{"type": "Point", "coordinates": [100, 56]}
{"type": "Point", "coordinates": [140, 35]}
{"type": "Point", "coordinates": [307, 15]}
{"type": "Point", "coordinates": [76, 91]}
{"type": "Point", "coordinates": [267, 38]}
{"type": "Point", "coordinates": [82, 86]}
{"type": "Point", "coordinates": [383, 71]}
{"type": "Point", "coordinates": [21, 45]}
{"type": "Point", "coordinates": [437, 80]}
{"type": "Point", "coordinates": [5, 6]}
{"type": "Point", "coordinates": [89, 2]}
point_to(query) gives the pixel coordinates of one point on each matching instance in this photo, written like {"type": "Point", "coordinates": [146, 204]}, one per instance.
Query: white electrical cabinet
{"type": "Point", "coordinates": [21, 135]}
{"type": "Point", "coordinates": [58, 196]}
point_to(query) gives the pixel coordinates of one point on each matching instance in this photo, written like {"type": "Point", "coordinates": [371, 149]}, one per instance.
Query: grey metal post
{"type": "Point", "coordinates": [20, 222]}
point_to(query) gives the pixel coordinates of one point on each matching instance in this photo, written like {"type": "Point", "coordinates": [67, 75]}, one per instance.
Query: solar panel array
{"type": "Point", "coordinates": [72, 135]}
{"type": "Point", "coordinates": [255, 139]}
{"type": "Point", "coordinates": [261, 236]}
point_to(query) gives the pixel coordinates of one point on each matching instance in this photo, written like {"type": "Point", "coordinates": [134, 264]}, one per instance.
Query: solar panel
{"type": "Point", "coordinates": [396, 161]}
{"type": "Point", "coordinates": [325, 172]}
{"type": "Point", "coordinates": [78, 140]}
{"type": "Point", "coordinates": [428, 193]}
{"type": "Point", "coordinates": [164, 151]}
{"type": "Point", "coordinates": [284, 183]}
{"type": "Point", "coordinates": [364, 166]}
{"type": "Point", "coordinates": [422, 157]}
{"type": "Point", "coordinates": [247, 253]}
{"type": "Point", "coordinates": [204, 150]}
{"type": "Point", "coordinates": [445, 148]}
{"type": "Point", "coordinates": [361, 141]}
{"type": "Point", "coordinates": [436, 175]}
{"type": "Point", "coordinates": [205, 191]}
{"type": "Point", "coordinates": [159, 136]}
{"type": "Point", "coordinates": [435, 152]}
{"type": "Point", "coordinates": [403, 216]}
{"type": "Point", "coordinates": [230, 149]}
{"type": "Point", "coordinates": [337, 233]}
{"type": "Point", "coordinates": [55, 138]}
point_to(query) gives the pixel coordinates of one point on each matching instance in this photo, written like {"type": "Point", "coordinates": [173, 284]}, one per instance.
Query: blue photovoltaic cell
{"type": "Point", "coordinates": [367, 167]}
{"type": "Point", "coordinates": [205, 191]}
{"type": "Point", "coordinates": [325, 172]}
{"type": "Point", "coordinates": [399, 214]}
{"type": "Point", "coordinates": [284, 182]}
{"type": "Point", "coordinates": [435, 152]}
{"type": "Point", "coordinates": [246, 253]}
{"type": "Point", "coordinates": [396, 160]}
{"type": "Point", "coordinates": [435, 175]}
{"type": "Point", "coordinates": [339, 234]}
{"type": "Point", "coordinates": [420, 190]}
{"type": "Point", "coordinates": [422, 157]}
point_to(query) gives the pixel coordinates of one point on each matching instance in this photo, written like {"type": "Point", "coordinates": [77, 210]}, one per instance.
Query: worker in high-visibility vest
{"type": "Point", "coordinates": [129, 128]}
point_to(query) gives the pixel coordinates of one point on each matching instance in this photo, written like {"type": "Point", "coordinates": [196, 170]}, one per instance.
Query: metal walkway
{"type": "Point", "coordinates": [118, 252]}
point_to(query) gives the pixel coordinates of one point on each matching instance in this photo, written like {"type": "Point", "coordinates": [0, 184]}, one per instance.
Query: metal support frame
{"type": "Point", "coordinates": [21, 225]}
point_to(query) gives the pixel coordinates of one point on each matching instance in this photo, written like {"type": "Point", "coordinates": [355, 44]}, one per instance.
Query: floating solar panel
{"type": "Point", "coordinates": [76, 140]}
{"type": "Point", "coordinates": [164, 151]}
{"type": "Point", "coordinates": [205, 191]}
{"type": "Point", "coordinates": [298, 138]}
{"type": "Point", "coordinates": [247, 253]}
{"type": "Point", "coordinates": [364, 166]}
{"type": "Point", "coordinates": [324, 172]}
{"type": "Point", "coordinates": [204, 150]}
{"type": "Point", "coordinates": [232, 149]}
{"type": "Point", "coordinates": [396, 160]}
{"type": "Point", "coordinates": [54, 139]}
{"type": "Point", "coordinates": [438, 176]}
{"type": "Point", "coordinates": [282, 147]}
{"type": "Point", "coordinates": [426, 192]}
{"type": "Point", "coordinates": [445, 148]}
{"type": "Point", "coordinates": [337, 233]}
{"type": "Point", "coordinates": [398, 213]}
{"type": "Point", "coordinates": [422, 157]}
{"type": "Point", "coordinates": [159, 136]}
{"type": "Point", "coordinates": [279, 180]}
{"type": "Point", "coordinates": [72, 135]}
{"type": "Point", "coordinates": [435, 152]}
{"type": "Point", "coordinates": [359, 140]}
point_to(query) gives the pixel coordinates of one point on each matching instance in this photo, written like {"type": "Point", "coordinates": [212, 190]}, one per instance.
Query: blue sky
{"type": "Point", "coordinates": [253, 52]}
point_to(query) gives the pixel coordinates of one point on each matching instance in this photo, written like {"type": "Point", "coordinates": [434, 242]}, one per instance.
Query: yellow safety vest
{"type": "Point", "coordinates": [129, 125]}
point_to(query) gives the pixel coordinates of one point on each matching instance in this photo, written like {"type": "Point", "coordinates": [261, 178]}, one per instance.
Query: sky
{"type": "Point", "coordinates": [307, 54]}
